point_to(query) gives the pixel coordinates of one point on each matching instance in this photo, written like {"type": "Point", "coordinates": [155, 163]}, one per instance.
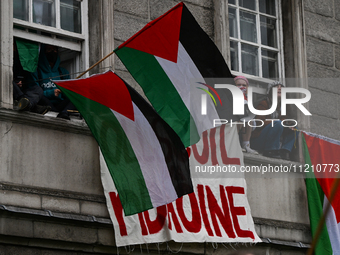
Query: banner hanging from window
{"type": "Point", "coordinates": [217, 211]}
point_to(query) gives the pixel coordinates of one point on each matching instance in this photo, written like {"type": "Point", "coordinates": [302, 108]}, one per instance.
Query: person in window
{"type": "Point", "coordinates": [28, 98]}
{"type": "Point", "coordinates": [48, 69]}
{"type": "Point", "coordinates": [242, 83]}
{"type": "Point", "coordinates": [272, 138]}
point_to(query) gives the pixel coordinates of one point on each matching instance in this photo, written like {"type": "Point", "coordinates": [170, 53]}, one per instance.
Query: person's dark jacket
{"type": "Point", "coordinates": [44, 74]}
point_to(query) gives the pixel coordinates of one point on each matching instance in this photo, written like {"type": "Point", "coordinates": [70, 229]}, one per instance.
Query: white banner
{"type": "Point", "coordinates": [218, 210]}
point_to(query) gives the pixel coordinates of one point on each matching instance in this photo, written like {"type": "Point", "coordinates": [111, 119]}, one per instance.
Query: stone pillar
{"type": "Point", "coordinates": [294, 40]}
{"type": "Point", "coordinates": [295, 50]}
{"type": "Point", "coordinates": [101, 30]}
{"type": "Point", "coordinates": [6, 47]}
{"type": "Point", "coordinates": [221, 28]}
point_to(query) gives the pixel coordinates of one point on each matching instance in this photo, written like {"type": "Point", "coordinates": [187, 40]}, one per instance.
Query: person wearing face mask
{"type": "Point", "coordinates": [274, 140]}
{"type": "Point", "coordinates": [49, 68]}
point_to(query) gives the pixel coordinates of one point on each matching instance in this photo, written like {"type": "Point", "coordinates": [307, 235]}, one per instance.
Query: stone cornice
{"type": "Point", "coordinates": [38, 120]}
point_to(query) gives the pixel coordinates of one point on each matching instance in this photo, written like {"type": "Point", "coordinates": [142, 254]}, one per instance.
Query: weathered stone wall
{"type": "Point", "coordinates": [48, 167]}
{"type": "Point", "coordinates": [6, 60]}
{"type": "Point", "coordinates": [322, 22]}
{"type": "Point", "coordinates": [49, 172]}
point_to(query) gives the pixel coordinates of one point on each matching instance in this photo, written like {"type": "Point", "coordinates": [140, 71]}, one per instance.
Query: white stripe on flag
{"type": "Point", "coordinates": [333, 228]}
{"type": "Point", "coordinates": [150, 157]}
{"type": "Point", "coordinates": [185, 76]}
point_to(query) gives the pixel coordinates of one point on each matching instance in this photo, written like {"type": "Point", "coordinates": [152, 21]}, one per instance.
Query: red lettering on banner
{"type": "Point", "coordinates": [215, 211]}
{"type": "Point", "coordinates": [225, 159]}
{"type": "Point", "coordinates": [223, 214]}
{"type": "Point", "coordinates": [206, 222]}
{"type": "Point", "coordinates": [214, 161]}
{"type": "Point", "coordinates": [118, 209]}
{"type": "Point", "coordinates": [171, 211]}
{"type": "Point", "coordinates": [142, 224]}
{"type": "Point", "coordinates": [156, 225]}
{"type": "Point", "coordinates": [202, 159]}
{"type": "Point", "coordinates": [237, 211]}
{"type": "Point", "coordinates": [195, 225]}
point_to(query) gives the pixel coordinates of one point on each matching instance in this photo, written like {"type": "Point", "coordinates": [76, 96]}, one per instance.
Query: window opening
{"type": "Point", "coordinates": [255, 38]}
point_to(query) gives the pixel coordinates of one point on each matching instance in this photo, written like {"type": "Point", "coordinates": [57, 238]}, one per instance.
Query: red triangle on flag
{"type": "Point", "coordinates": [160, 37]}
{"type": "Point", "coordinates": [107, 89]}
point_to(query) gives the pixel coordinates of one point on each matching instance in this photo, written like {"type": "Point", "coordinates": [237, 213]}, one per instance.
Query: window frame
{"type": "Point", "coordinates": [239, 41]}
{"type": "Point", "coordinates": [78, 42]}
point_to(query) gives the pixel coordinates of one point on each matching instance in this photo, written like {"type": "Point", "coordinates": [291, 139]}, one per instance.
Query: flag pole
{"type": "Point", "coordinates": [321, 223]}
{"type": "Point", "coordinates": [94, 65]}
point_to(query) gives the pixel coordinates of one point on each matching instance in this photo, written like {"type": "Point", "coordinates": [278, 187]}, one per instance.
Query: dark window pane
{"type": "Point", "coordinates": [269, 64]}
{"type": "Point", "coordinates": [20, 9]}
{"type": "Point", "coordinates": [232, 23]}
{"type": "Point", "coordinates": [268, 7]}
{"type": "Point", "coordinates": [268, 31]}
{"type": "Point", "coordinates": [234, 55]}
{"type": "Point", "coordinates": [249, 59]}
{"type": "Point", "coordinates": [248, 26]}
{"type": "Point", "coordinates": [44, 12]}
{"type": "Point", "coordinates": [70, 15]}
{"type": "Point", "coordinates": [249, 4]}
{"type": "Point", "coordinates": [232, 2]}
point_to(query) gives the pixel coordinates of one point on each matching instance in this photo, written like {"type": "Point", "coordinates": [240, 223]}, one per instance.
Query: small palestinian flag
{"type": "Point", "coordinates": [322, 164]}
{"type": "Point", "coordinates": [172, 58]}
{"type": "Point", "coordinates": [146, 159]}
{"type": "Point", "coordinates": [28, 52]}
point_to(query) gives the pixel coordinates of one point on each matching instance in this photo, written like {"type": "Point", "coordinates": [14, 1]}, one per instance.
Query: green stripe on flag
{"type": "Point", "coordinates": [117, 151]}
{"type": "Point", "coordinates": [315, 198]}
{"type": "Point", "coordinates": [149, 74]}
{"type": "Point", "coordinates": [28, 54]}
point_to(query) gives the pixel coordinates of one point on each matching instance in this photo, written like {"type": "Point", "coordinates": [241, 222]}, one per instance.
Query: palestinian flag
{"type": "Point", "coordinates": [322, 156]}
{"type": "Point", "coordinates": [175, 62]}
{"type": "Point", "coordinates": [146, 159]}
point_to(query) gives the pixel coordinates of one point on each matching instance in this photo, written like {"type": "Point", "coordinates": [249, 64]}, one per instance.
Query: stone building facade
{"type": "Point", "coordinates": [323, 52]}
{"type": "Point", "coordinates": [51, 198]}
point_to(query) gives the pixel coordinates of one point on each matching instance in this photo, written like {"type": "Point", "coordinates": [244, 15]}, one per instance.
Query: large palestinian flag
{"type": "Point", "coordinates": [146, 159]}
{"type": "Point", "coordinates": [323, 163]}
{"type": "Point", "coordinates": [175, 62]}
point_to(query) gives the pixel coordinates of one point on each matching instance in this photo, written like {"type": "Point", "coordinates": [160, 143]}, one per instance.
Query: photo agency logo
{"type": "Point", "coordinates": [204, 97]}
{"type": "Point", "coordinates": [278, 102]}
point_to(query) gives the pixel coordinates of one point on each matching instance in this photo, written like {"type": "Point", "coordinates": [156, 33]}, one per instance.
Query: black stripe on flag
{"type": "Point", "coordinates": [208, 60]}
{"type": "Point", "coordinates": [175, 154]}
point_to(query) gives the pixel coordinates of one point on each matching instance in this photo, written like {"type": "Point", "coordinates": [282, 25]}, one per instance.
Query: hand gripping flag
{"type": "Point", "coordinates": [172, 58]}
{"type": "Point", "coordinates": [322, 164]}
{"type": "Point", "coordinates": [146, 159]}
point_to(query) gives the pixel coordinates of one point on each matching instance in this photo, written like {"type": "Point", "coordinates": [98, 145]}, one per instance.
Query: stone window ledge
{"type": "Point", "coordinates": [75, 125]}
{"type": "Point", "coordinates": [78, 126]}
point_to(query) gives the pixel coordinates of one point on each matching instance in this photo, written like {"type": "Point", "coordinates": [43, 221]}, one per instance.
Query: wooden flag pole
{"type": "Point", "coordinates": [321, 223]}
{"type": "Point", "coordinates": [95, 64]}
